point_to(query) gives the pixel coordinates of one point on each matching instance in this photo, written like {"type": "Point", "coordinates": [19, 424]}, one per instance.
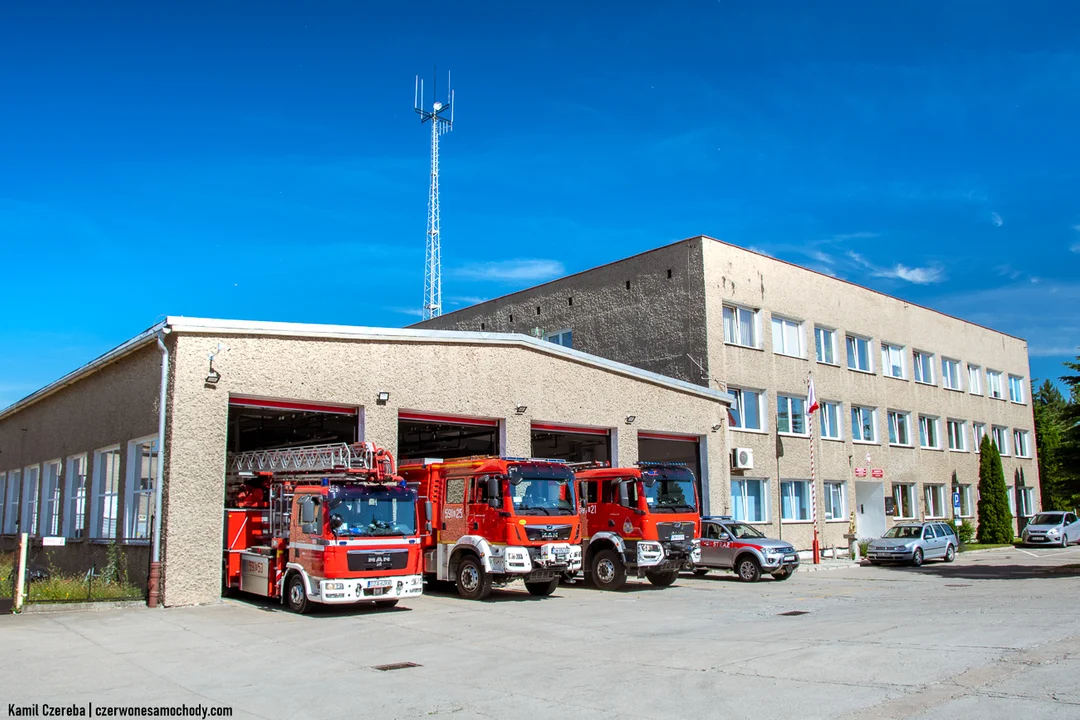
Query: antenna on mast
{"type": "Point", "coordinates": [441, 117]}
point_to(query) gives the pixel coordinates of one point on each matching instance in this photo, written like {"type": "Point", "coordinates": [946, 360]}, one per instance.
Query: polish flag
{"type": "Point", "coordinates": [811, 399]}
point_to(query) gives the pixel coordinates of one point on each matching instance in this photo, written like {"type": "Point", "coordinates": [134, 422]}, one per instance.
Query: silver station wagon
{"type": "Point", "coordinates": [914, 543]}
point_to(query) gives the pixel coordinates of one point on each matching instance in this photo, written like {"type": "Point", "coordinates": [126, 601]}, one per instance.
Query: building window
{"type": "Point", "coordinates": [924, 367]}
{"type": "Point", "coordinates": [3, 499]}
{"type": "Point", "coordinates": [974, 379]}
{"type": "Point", "coordinates": [835, 501]}
{"type": "Point", "coordinates": [1027, 501]}
{"type": "Point", "coordinates": [50, 499]}
{"type": "Point", "coordinates": [562, 337]}
{"type": "Point", "coordinates": [928, 432]}
{"type": "Point", "coordinates": [858, 354]}
{"type": "Point", "coordinates": [904, 497]}
{"type": "Point", "coordinates": [31, 482]}
{"type": "Point", "coordinates": [892, 360]}
{"type": "Point", "coordinates": [863, 424]}
{"type": "Point", "coordinates": [740, 326]}
{"type": "Point", "coordinates": [978, 432]}
{"type": "Point", "coordinates": [749, 498]}
{"type": "Point", "coordinates": [935, 500]}
{"type": "Point", "coordinates": [745, 412]}
{"type": "Point", "coordinates": [1011, 493]}
{"type": "Point", "coordinates": [106, 490]}
{"type": "Point", "coordinates": [794, 500]}
{"type": "Point", "coordinates": [825, 345]}
{"type": "Point", "coordinates": [788, 337]}
{"type": "Point", "coordinates": [830, 421]}
{"type": "Point", "coordinates": [899, 428]}
{"type": "Point", "coordinates": [957, 435]}
{"type": "Point", "coordinates": [1016, 389]}
{"type": "Point", "coordinates": [1000, 436]}
{"type": "Point", "coordinates": [75, 497]}
{"type": "Point", "coordinates": [791, 415]}
{"type": "Point", "coordinates": [950, 374]}
{"type": "Point", "coordinates": [11, 504]}
{"type": "Point", "coordinates": [993, 384]}
{"type": "Point", "coordinates": [141, 477]}
{"type": "Point", "coordinates": [965, 501]}
{"type": "Point", "coordinates": [1020, 443]}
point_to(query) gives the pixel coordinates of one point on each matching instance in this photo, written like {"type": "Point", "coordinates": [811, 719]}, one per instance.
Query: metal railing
{"type": "Point", "coordinates": [312, 458]}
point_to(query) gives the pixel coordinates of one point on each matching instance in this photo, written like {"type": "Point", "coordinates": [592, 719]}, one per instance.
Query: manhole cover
{"type": "Point", "coordinates": [396, 666]}
{"type": "Point", "coordinates": [792, 613]}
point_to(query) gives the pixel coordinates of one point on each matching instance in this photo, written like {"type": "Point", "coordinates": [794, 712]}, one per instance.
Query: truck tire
{"type": "Point", "coordinates": [542, 588]}
{"type": "Point", "coordinates": [607, 570]}
{"type": "Point", "coordinates": [747, 569]}
{"type": "Point", "coordinates": [296, 594]}
{"type": "Point", "coordinates": [662, 579]}
{"type": "Point", "coordinates": [386, 604]}
{"type": "Point", "coordinates": [473, 582]}
{"type": "Point", "coordinates": [782, 574]}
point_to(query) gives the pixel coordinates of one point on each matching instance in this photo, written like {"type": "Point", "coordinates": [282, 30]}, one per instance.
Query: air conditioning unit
{"type": "Point", "coordinates": [742, 459]}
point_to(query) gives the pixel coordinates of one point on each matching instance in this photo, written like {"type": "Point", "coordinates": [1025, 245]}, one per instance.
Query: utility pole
{"type": "Point", "coordinates": [441, 117]}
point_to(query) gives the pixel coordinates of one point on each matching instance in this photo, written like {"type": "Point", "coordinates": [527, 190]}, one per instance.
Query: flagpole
{"type": "Point", "coordinates": [811, 398]}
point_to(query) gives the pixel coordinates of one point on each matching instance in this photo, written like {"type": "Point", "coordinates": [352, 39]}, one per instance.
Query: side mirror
{"type": "Point", "coordinates": [494, 504]}
{"type": "Point", "coordinates": [649, 481]}
{"type": "Point", "coordinates": [428, 511]}
{"type": "Point", "coordinates": [308, 528]}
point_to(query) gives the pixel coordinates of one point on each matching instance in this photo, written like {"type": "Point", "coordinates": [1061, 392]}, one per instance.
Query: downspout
{"type": "Point", "coordinates": [154, 583]}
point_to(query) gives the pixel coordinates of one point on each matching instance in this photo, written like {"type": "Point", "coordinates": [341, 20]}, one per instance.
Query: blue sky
{"type": "Point", "coordinates": [261, 160]}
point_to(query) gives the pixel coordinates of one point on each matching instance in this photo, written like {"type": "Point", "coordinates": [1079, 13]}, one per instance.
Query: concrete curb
{"type": "Point", "coordinates": [988, 550]}
{"type": "Point", "coordinates": [830, 566]}
{"type": "Point", "coordinates": [61, 607]}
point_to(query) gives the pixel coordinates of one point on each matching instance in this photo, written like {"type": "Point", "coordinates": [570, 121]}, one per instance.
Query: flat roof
{"type": "Point", "coordinates": [212, 326]}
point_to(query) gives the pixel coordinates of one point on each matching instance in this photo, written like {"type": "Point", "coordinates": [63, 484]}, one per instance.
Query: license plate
{"type": "Point", "coordinates": [561, 552]}
{"type": "Point", "coordinates": [790, 558]}
{"type": "Point", "coordinates": [380, 583]}
{"type": "Point", "coordinates": [680, 536]}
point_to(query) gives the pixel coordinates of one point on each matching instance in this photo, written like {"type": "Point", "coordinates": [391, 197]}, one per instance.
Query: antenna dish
{"type": "Point", "coordinates": [438, 106]}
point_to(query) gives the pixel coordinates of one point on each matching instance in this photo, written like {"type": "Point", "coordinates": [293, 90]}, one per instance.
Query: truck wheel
{"type": "Point", "coordinates": [542, 588]}
{"type": "Point", "coordinates": [701, 572]}
{"type": "Point", "coordinates": [748, 569]}
{"type": "Point", "coordinates": [296, 594]}
{"type": "Point", "coordinates": [607, 570]}
{"type": "Point", "coordinates": [662, 579]}
{"type": "Point", "coordinates": [782, 574]}
{"type": "Point", "coordinates": [473, 582]}
{"type": "Point", "coordinates": [386, 604]}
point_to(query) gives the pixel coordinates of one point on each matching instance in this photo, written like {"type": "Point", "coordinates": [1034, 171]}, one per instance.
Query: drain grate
{"type": "Point", "coordinates": [792, 613]}
{"type": "Point", "coordinates": [396, 666]}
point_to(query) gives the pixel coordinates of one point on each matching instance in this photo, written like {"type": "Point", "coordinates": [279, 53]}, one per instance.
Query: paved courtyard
{"type": "Point", "coordinates": [994, 635]}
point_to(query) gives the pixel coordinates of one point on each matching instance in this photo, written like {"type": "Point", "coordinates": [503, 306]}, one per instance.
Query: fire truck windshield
{"type": "Point", "coordinates": [364, 512]}
{"type": "Point", "coordinates": [669, 490]}
{"type": "Point", "coordinates": [542, 496]}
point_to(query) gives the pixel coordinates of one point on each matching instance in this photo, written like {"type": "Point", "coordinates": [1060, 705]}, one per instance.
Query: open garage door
{"type": "Point", "coordinates": [261, 424]}
{"type": "Point", "coordinates": [573, 444]}
{"type": "Point", "coordinates": [662, 447]}
{"type": "Point", "coordinates": [421, 435]}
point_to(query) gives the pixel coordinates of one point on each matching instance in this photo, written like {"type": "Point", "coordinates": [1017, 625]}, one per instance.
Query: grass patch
{"type": "Point", "coordinates": [983, 546]}
{"type": "Point", "coordinates": [59, 587]}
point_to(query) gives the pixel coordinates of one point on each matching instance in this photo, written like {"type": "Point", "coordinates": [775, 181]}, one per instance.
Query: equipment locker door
{"type": "Point", "coordinates": [452, 523]}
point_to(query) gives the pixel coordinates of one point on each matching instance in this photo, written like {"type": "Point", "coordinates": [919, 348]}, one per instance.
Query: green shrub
{"type": "Point", "coordinates": [965, 532]}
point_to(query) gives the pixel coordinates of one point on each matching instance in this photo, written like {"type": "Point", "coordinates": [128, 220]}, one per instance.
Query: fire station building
{"type": "Point", "coordinates": [82, 458]}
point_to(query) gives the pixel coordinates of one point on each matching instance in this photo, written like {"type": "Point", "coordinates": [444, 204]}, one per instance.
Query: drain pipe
{"type": "Point", "coordinates": [154, 583]}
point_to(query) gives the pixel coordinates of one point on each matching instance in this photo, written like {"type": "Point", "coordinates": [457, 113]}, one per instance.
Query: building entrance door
{"type": "Point", "coordinates": [869, 509]}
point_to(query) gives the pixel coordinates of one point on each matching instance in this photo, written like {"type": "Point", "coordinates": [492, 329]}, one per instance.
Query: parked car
{"type": "Point", "coordinates": [727, 544]}
{"type": "Point", "coordinates": [1052, 528]}
{"type": "Point", "coordinates": [914, 543]}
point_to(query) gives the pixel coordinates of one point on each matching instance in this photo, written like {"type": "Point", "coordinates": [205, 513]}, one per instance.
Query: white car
{"type": "Point", "coordinates": [1052, 528]}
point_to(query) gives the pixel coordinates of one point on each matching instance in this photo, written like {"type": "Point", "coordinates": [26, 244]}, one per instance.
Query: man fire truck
{"type": "Point", "coordinates": [643, 520]}
{"type": "Point", "coordinates": [327, 524]}
{"type": "Point", "coordinates": [497, 520]}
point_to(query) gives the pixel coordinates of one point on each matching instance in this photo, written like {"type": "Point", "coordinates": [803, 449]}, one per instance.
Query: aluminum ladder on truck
{"type": "Point", "coordinates": [310, 458]}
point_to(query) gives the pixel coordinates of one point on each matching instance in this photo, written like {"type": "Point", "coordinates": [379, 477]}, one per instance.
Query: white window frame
{"type": "Point", "coordinates": [894, 417]}
{"type": "Point", "coordinates": [960, 435]}
{"type": "Point", "coordinates": [889, 353]}
{"type": "Point", "coordinates": [1021, 446]}
{"type": "Point", "coordinates": [30, 493]}
{"type": "Point", "coordinates": [76, 494]}
{"type": "Point", "coordinates": [852, 340]}
{"type": "Point", "coordinates": [11, 504]}
{"type": "Point", "coordinates": [994, 388]}
{"type": "Point", "coordinates": [134, 495]}
{"type": "Point", "coordinates": [831, 491]}
{"type": "Point", "coordinates": [1003, 446]}
{"type": "Point", "coordinates": [1027, 501]}
{"type": "Point", "coordinates": [947, 377]}
{"type": "Point", "coordinates": [821, 351]}
{"type": "Point", "coordinates": [3, 499]}
{"type": "Point", "coordinates": [564, 337]}
{"type": "Point", "coordinates": [50, 497]}
{"type": "Point", "coordinates": [978, 431]}
{"type": "Point", "coordinates": [105, 501]}
{"type": "Point", "coordinates": [1010, 491]}
{"type": "Point", "coordinates": [740, 399]}
{"type": "Point", "coordinates": [1019, 387]}
{"type": "Point", "coordinates": [926, 424]}
{"type": "Point", "coordinates": [737, 323]}
{"type": "Point", "coordinates": [975, 384]}
{"type": "Point", "coordinates": [765, 500]}
{"type": "Point", "coordinates": [857, 438]}
{"type": "Point", "coordinates": [913, 500]}
{"type": "Point", "coordinates": [787, 487]}
{"type": "Point", "coordinates": [789, 402]}
{"type": "Point", "coordinates": [922, 363]}
{"type": "Point", "coordinates": [934, 494]}
{"type": "Point", "coordinates": [828, 431]}
{"type": "Point", "coordinates": [966, 501]}
{"type": "Point", "coordinates": [790, 331]}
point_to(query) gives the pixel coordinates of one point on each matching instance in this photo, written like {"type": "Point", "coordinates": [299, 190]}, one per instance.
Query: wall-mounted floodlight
{"type": "Point", "coordinates": [383, 397]}
{"type": "Point", "coordinates": [717, 427]}
{"type": "Point", "coordinates": [630, 419]}
{"type": "Point", "coordinates": [520, 409]}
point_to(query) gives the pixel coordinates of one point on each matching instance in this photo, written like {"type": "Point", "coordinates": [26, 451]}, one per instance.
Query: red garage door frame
{"type": "Point", "coordinates": [669, 436]}
{"type": "Point", "coordinates": [409, 416]}
{"type": "Point", "coordinates": [576, 430]}
{"type": "Point", "coordinates": [256, 402]}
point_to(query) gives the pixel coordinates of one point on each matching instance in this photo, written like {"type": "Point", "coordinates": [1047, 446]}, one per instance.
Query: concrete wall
{"type": "Point", "coordinates": [461, 378]}
{"type": "Point", "coordinates": [606, 317]}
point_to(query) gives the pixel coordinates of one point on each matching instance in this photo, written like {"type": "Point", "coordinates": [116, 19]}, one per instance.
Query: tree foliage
{"type": "Point", "coordinates": [1050, 408]}
{"type": "Point", "coordinates": [995, 518]}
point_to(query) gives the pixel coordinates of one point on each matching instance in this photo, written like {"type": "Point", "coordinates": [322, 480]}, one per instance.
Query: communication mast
{"type": "Point", "coordinates": [441, 117]}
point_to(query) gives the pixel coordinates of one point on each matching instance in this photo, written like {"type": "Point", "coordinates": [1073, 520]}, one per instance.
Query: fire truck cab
{"type": "Point", "coordinates": [643, 520]}
{"type": "Point", "coordinates": [497, 520]}
{"type": "Point", "coordinates": [327, 524]}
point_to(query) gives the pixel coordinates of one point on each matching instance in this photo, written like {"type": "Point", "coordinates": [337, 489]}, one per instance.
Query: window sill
{"type": "Point", "coordinates": [796, 522]}
{"type": "Point", "coordinates": [961, 450]}
{"type": "Point", "coordinates": [833, 439]}
{"type": "Point", "coordinates": [745, 347]}
{"type": "Point", "coordinates": [994, 397]}
{"type": "Point", "coordinates": [959, 390]}
{"type": "Point", "coordinates": [976, 394]}
{"type": "Point", "coordinates": [1020, 457]}
{"type": "Point", "coordinates": [794, 435]}
{"type": "Point", "coordinates": [838, 520]}
{"type": "Point", "coordinates": [864, 372]}
{"type": "Point", "coordinates": [795, 357]}
{"type": "Point", "coordinates": [749, 430]}
{"type": "Point", "coordinates": [865, 442]}
{"type": "Point", "coordinates": [894, 377]}
{"type": "Point", "coordinates": [830, 364]}
{"type": "Point", "coordinates": [923, 382]}
{"type": "Point", "coordinates": [927, 447]}
{"type": "Point", "coordinates": [1018, 402]}
{"type": "Point", "coordinates": [909, 446]}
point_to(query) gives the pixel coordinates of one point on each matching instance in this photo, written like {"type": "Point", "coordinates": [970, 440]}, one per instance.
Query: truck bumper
{"type": "Point", "coordinates": [337, 591]}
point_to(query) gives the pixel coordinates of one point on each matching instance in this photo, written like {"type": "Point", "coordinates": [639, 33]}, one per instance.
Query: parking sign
{"type": "Point", "coordinates": [956, 500]}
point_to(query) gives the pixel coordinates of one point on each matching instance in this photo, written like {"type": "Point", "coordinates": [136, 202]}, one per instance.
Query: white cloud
{"type": "Point", "coordinates": [466, 300]}
{"type": "Point", "coordinates": [996, 219]}
{"type": "Point", "coordinates": [417, 312]}
{"type": "Point", "coordinates": [854, 236]}
{"type": "Point", "coordinates": [916, 275]}
{"type": "Point", "coordinates": [521, 270]}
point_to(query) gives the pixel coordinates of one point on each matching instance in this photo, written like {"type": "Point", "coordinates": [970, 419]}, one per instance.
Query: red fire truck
{"type": "Point", "coordinates": [642, 520]}
{"type": "Point", "coordinates": [327, 524]}
{"type": "Point", "coordinates": [497, 520]}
